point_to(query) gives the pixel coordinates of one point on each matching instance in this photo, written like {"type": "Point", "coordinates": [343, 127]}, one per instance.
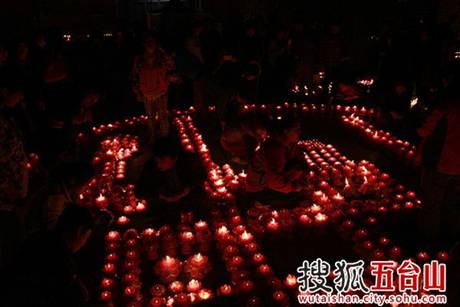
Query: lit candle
{"type": "Point", "coordinates": [273, 225]}
{"type": "Point", "coordinates": [176, 286]}
{"type": "Point", "coordinates": [123, 220]}
{"type": "Point", "coordinates": [193, 285]}
{"type": "Point", "coordinates": [225, 290]}
{"type": "Point", "coordinates": [290, 281]}
{"type": "Point", "coordinates": [101, 201]}
{"type": "Point", "coordinates": [205, 295]}
{"type": "Point", "coordinates": [246, 237]}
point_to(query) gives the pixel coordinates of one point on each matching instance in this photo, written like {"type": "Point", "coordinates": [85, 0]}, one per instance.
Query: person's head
{"type": "Point", "coordinates": [166, 152]}
{"type": "Point", "coordinates": [150, 45]}
{"type": "Point", "coordinates": [286, 129]}
{"type": "Point", "coordinates": [75, 226]}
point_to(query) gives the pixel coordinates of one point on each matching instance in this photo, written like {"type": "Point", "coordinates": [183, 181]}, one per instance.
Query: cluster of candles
{"type": "Point", "coordinates": [107, 188]}
{"type": "Point", "coordinates": [380, 137]}
{"type": "Point", "coordinates": [129, 123]}
{"type": "Point", "coordinates": [122, 269]}
{"type": "Point", "coordinates": [222, 181]}
{"type": "Point", "coordinates": [311, 108]}
{"type": "Point", "coordinates": [181, 281]}
{"type": "Point", "coordinates": [336, 185]}
{"type": "Point", "coordinates": [242, 256]}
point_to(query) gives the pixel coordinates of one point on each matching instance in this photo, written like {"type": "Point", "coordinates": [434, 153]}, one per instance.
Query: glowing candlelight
{"type": "Point", "coordinates": [246, 237]}
{"type": "Point", "coordinates": [176, 286]}
{"type": "Point", "coordinates": [290, 281]}
{"type": "Point", "coordinates": [193, 285]}
{"type": "Point", "coordinates": [204, 294]}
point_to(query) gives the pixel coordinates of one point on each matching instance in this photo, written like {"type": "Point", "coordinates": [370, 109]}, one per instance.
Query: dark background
{"type": "Point", "coordinates": [361, 15]}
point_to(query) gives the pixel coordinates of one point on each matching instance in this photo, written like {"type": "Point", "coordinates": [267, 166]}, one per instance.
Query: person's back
{"type": "Point", "coordinates": [448, 162]}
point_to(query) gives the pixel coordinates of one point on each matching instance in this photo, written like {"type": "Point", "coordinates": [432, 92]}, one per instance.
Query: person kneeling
{"type": "Point", "coordinates": [276, 172]}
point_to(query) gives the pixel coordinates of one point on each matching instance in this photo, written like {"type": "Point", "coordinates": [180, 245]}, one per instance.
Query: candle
{"type": "Point", "coordinates": [246, 286]}
{"type": "Point", "coordinates": [204, 295]}
{"type": "Point", "coordinates": [107, 283]}
{"type": "Point", "coordinates": [168, 269]}
{"type": "Point", "coordinates": [225, 290]}
{"type": "Point", "coordinates": [106, 296]}
{"type": "Point", "coordinates": [112, 257]}
{"type": "Point", "coordinates": [264, 270]}
{"type": "Point", "coordinates": [101, 201]}
{"type": "Point", "coordinates": [193, 285]}
{"type": "Point", "coordinates": [258, 258]}
{"type": "Point", "coordinates": [290, 281]}
{"type": "Point", "coordinates": [321, 218]}
{"type": "Point", "coordinates": [197, 266]}
{"type": "Point", "coordinates": [140, 207]}
{"type": "Point", "coordinates": [158, 302]}
{"type": "Point", "coordinates": [246, 237]}
{"type": "Point", "coordinates": [157, 290]}
{"type": "Point", "coordinates": [176, 286]}
{"type": "Point", "coordinates": [123, 220]}
{"type": "Point", "coordinates": [109, 268]}
{"type": "Point", "coordinates": [187, 239]}
{"type": "Point", "coordinates": [273, 225]}
{"type": "Point", "coordinates": [113, 236]}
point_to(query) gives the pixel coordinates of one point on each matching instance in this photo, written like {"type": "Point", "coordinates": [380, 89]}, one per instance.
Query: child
{"type": "Point", "coordinates": [171, 179]}
{"type": "Point", "coordinates": [150, 84]}
{"type": "Point", "coordinates": [275, 172]}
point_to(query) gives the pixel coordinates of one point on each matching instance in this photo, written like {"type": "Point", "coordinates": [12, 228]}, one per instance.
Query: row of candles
{"type": "Point", "coordinates": [380, 137]}
{"type": "Point", "coordinates": [313, 108]}
{"type": "Point", "coordinates": [221, 181]}
{"type": "Point", "coordinates": [181, 282]}
{"type": "Point", "coordinates": [236, 243]}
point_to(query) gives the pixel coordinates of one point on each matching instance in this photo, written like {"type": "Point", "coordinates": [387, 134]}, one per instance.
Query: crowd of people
{"type": "Point", "coordinates": [52, 87]}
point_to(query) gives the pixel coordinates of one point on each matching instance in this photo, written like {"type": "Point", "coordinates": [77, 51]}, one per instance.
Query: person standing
{"type": "Point", "coordinates": [438, 156]}
{"type": "Point", "coordinates": [150, 82]}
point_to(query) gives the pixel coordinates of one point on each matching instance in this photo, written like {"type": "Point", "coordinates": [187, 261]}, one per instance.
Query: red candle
{"type": "Point", "coordinates": [109, 268]}
{"type": "Point", "coordinates": [101, 201]}
{"type": "Point", "coordinates": [258, 258]}
{"type": "Point", "coordinates": [225, 290]}
{"type": "Point", "coordinates": [290, 281]}
{"type": "Point", "coordinates": [106, 296]}
{"type": "Point", "coordinates": [176, 286]}
{"type": "Point", "coordinates": [123, 220]}
{"type": "Point", "coordinates": [205, 295]}
{"type": "Point", "coordinates": [107, 283]}
{"type": "Point", "coordinates": [158, 302]}
{"type": "Point", "coordinates": [113, 236]}
{"type": "Point", "coordinates": [273, 225]}
{"type": "Point", "coordinates": [264, 270]}
{"type": "Point", "coordinates": [246, 286]}
{"type": "Point", "coordinates": [246, 237]}
{"type": "Point", "coordinates": [193, 285]}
